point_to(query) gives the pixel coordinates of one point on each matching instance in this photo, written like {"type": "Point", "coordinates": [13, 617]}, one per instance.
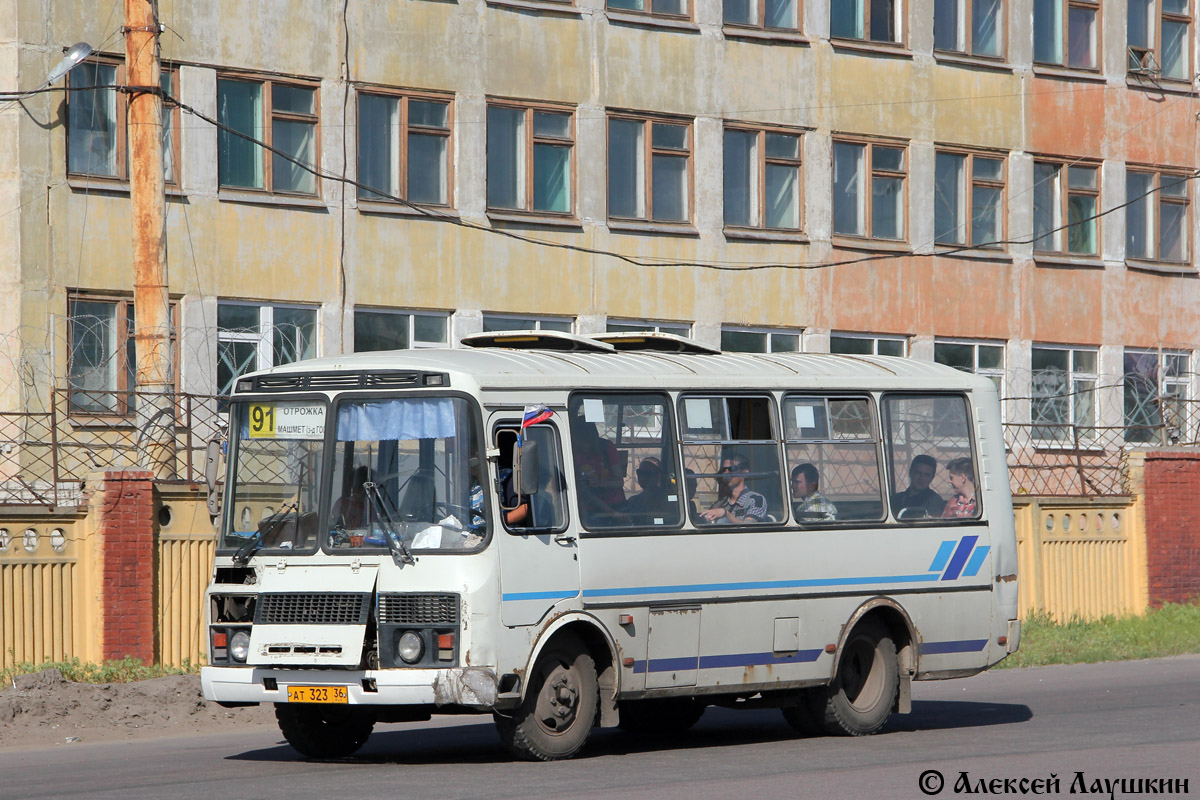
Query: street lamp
{"type": "Point", "coordinates": [75, 53]}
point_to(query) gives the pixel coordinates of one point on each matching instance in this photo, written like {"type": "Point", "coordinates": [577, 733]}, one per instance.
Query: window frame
{"type": "Point", "coordinates": [502, 425]}
{"type": "Point", "coordinates": [1073, 375]}
{"type": "Point", "coordinates": [1162, 381]}
{"type": "Point", "coordinates": [875, 339]}
{"type": "Point", "coordinates": [263, 339]}
{"type": "Point", "coordinates": [900, 10]}
{"type": "Point", "coordinates": [1158, 197]}
{"type": "Point", "coordinates": [532, 139]}
{"type": "Point", "coordinates": [686, 16]}
{"type": "Point", "coordinates": [966, 11]}
{"type": "Point", "coordinates": [1064, 35]}
{"type": "Point", "coordinates": [647, 121]}
{"type": "Point", "coordinates": [403, 96]}
{"type": "Point", "coordinates": [1137, 55]}
{"type": "Point", "coordinates": [411, 315]}
{"type": "Point", "coordinates": [761, 16]}
{"type": "Point", "coordinates": [121, 145]}
{"type": "Point", "coordinates": [890, 474]}
{"type": "Point", "coordinates": [538, 319]}
{"type": "Point", "coordinates": [769, 332]}
{"type": "Point", "coordinates": [967, 204]}
{"type": "Point", "coordinates": [123, 391]}
{"type": "Point", "coordinates": [269, 117]}
{"type": "Point", "coordinates": [868, 206]}
{"type": "Point", "coordinates": [762, 161]}
{"type": "Point", "coordinates": [649, 326]}
{"type": "Point", "coordinates": [1000, 372]}
{"type": "Point", "coordinates": [1064, 193]}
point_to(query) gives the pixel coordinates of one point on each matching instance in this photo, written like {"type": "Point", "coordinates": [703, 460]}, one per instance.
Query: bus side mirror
{"type": "Point", "coordinates": [212, 469]}
{"type": "Point", "coordinates": [526, 472]}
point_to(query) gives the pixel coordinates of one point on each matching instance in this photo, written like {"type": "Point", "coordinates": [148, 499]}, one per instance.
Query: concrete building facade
{"type": "Point", "coordinates": [1003, 186]}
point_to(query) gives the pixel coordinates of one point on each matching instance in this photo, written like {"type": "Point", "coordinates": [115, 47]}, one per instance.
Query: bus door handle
{"type": "Point", "coordinates": [564, 539]}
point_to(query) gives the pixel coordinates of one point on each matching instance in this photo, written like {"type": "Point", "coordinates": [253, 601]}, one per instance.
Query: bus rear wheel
{"type": "Point", "coordinates": [324, 731]}
{"type": "Point", "coordinates": [863, 693]}
{"type": "Point", "coordinates": [559, 709]}
{"type": "Point", "coordinates": [668, 716]}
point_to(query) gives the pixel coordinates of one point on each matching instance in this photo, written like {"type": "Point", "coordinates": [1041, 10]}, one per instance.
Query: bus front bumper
{"type": "Point", "coordinates": [474, 687]}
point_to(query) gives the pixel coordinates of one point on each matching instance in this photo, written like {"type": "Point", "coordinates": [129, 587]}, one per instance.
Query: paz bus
{"type": "Point", "coordinates": [571, 531]}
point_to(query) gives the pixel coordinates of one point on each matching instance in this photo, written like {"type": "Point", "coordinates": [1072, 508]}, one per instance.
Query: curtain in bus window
{"type": "Point", "coordinates": [625, 467]}
{"type": "Point", "coordinates": [415, 418]}
{"type": "Point", "coordinates": [929, 450]}
{"type": "Point", "coordinates": [833, 462]}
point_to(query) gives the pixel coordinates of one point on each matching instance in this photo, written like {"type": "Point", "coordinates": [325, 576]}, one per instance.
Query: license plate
{"type": "Point", "coordinates": [318, 694]}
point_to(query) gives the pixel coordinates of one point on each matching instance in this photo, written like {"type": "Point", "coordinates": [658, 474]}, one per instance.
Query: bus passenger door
{"type": "Point", "coordinates": [539, 565]}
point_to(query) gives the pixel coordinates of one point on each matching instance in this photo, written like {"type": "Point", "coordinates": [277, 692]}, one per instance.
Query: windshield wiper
{"type": "Point", "coordinates": [395, 542]}
{"type": "Point", "coordinates": [242, 556]}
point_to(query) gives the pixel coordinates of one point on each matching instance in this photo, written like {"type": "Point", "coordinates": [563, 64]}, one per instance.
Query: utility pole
{"type": "Point", "coordinates": [151, 304]}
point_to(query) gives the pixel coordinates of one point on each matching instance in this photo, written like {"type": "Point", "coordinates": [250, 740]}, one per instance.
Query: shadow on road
{"type": "Point", "coordinates": [474, 740]}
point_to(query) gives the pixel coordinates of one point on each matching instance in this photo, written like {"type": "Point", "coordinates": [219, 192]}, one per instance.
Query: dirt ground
{"type": "Point", "coordinates": [45, 709]}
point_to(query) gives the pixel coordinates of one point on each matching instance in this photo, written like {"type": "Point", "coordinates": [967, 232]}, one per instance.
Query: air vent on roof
{"type": "Point", "coordinates": [537, 340]}
{"type": "Point", "coordinates": [347, 380]}
{"type": "Point", "coordinates": [655, 341]}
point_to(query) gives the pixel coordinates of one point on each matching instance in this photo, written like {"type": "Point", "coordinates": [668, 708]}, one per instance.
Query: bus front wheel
{"type": "Point", "coordinates": [862, 694]}
{"type": "Point", "coordinates": [324, 731]}
{"type": "Point", "coordinates": [559, 709]}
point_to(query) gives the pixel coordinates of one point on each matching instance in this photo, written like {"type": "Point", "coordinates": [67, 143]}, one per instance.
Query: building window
{"type": "Point", "coordinates": [760, 340]}
{"type": "Point", "coordinates": [762, 179]}
{"type": "Point", "coordinates": [283, 115]}
{"type": "Point", "coordinates": [769, 14]}
{"type": "Point", "coordinates": [379, 329]}
{"type": "Point", "coordinates": [980, 358]}
{"type": "Point", "coordinates": [1156, 395]}
{"type": "Point", "coordinates": [96, 122]}
{"type": "Point", "coordinates": [969, 200]}
{"type": "Point", "coordinates": [649, 183]}
{"type": "Point", "coordinates": [640, 326]}
{"type": "Point", "coordinates": [511, 322]}
{"type": "Point", "coordinates": [856, 344]}
{"type": "Point", "coordinates": [252, 336]}
{"type": "Point", "coordinates": [529, 159]}
{"type": "Point", "coordinates": [1065, 200]}
{"type": "Point", "coordinates": [103, 355]}
{"type": "Point", "coordinates": [1158, 36]}
{"type": "Point", "coordinates": [970, 27]}
{"type": "Point", "coordinates": [1064, 394]}
{"type": "Point", "coordinates": [403, 148]}
{"type": "Point", "coordinates": [868, 190]}
{"type": "Point", "coordinates": [1066, 33]}
{"type": "Point", "coordinates": [658, 8]}
{"type": "Point", "coordinates": [1156, 217]}
{"type": "Point", "coordinates": [869, 20]}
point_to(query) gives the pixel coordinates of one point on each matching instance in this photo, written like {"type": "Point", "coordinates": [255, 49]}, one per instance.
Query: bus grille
{"type": "Point", "coordinates": [418, 609]}
{"type": "Point", "coordinates": [303, 608]}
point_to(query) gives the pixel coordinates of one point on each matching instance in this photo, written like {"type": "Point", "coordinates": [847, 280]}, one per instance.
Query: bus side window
{"type": "Point", "coordinates": [730, 444]}
{"type": "Point", "coordinates": [833, 459]}
{"type": "Point", "coordinates": [546, 509]}
{"type": "Point", "coordinates": [930, 456]}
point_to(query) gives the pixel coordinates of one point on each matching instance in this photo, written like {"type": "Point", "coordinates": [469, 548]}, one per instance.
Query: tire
{"type": "Point", "coordinates": [863, 693]}
{"type": "Point", "coordinates": [661, 717]}
{"type": "Point", "coordinates": [324, 731]}
{"type": "Point", "coordinates": [560, 705]}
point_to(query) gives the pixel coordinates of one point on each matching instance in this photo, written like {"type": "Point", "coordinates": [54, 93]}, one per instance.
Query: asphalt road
{"type": "Point", "coordinates": [1126, 720]}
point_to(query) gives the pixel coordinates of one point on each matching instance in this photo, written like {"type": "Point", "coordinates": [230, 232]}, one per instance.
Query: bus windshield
{"type": "Point", "coordinates": [277, 467]}
{"type": "Point", "coordinates": [406, 471]}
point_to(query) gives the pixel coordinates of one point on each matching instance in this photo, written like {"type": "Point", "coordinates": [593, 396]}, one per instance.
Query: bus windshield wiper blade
{"type": "Point", "coordinates": [401, 555]}
{"type": "Point", "coordinates": [242, 556]}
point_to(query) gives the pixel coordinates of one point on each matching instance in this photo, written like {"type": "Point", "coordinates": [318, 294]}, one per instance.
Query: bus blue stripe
{"type": "Point", "coordinates": [976, 561]}
{"type": "Point", "coordinates": [721, 661]}
{"type": "Point", "coordinates": [943, 555]}
{"type": "Point", "coordinates": [960, 557]}
{"type": "Point", "coordinates": [559, 595]}
{"type": "Point", "coordinates": [962, 646]}
{"type": "Point", "coordinates": [729, 587]}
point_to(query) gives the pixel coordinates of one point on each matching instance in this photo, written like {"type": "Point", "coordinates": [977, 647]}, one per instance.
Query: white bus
{"type": "Point", "coordinates": [678, 528]}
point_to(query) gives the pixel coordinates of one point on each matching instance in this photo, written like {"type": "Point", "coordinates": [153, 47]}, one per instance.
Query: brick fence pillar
{"type": "Point", "coordinates": [127, 588]}
{"type": "Point", "coordinates": [1172, 502]}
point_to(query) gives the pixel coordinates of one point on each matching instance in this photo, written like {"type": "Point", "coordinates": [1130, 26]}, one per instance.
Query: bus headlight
{"type": "Point", "coordinates": [239, 646]}
{"type": "Point", "coordinates": [410, 647]}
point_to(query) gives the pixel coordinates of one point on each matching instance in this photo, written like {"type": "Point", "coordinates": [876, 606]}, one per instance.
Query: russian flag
{"type": "Point", "coordinates": [535, 414]}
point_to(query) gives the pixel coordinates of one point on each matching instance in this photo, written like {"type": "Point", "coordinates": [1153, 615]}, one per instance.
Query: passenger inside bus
{"type": "Point", "coordinates": [350, 511]}
{"type": "Point", "coordinates": [962, 478]}
{"type": "Point", "coordinates": [653, 505]}
{"type": "Point", "coordinates": [918, 500]}
{"type": "Point", "coordinates": [600, 473]}
{"type": "Point", "coordinates": [808, 504]}
{"type": "Point", "coordinates": [736, 503]}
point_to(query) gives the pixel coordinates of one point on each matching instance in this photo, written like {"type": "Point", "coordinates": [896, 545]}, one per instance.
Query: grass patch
{"type": "Point", "coordinates": [1171, 630]}
{"type": "Point", "coordinates": [124, 670]}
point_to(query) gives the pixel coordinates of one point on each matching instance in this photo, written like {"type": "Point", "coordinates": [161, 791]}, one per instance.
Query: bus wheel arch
{"type": "Point", "coordinates": [600, 646]}
{"type": "Point", "coordinates": [899, 625]}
